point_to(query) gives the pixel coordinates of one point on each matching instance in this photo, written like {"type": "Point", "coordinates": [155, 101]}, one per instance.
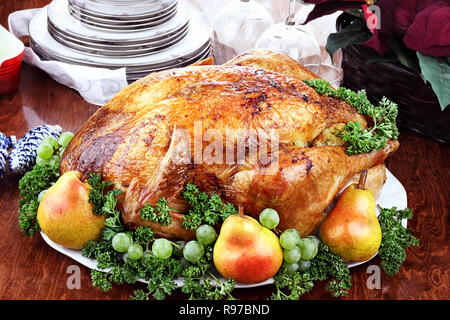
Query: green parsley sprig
{"type": "Point", "coordinates": [204, 208]}
{"type": "Point", "coordinates": [383, 115]}
{"type": "Point", "coordinates": [40, 178]}
{"type": "Point", "coordinates": [325, 265]}
{"type": "Point", "coordinates": [104, 199]}
{"type": "Point", "coordinates": [159, 214]}
{"type": "Point", "coordinates": [200, 282]}
{"type": "Point", "coordinates": [396, 238]}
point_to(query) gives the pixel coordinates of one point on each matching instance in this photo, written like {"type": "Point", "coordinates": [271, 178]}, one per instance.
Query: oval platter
{"type": "Point", "coordinates": [392, 194]}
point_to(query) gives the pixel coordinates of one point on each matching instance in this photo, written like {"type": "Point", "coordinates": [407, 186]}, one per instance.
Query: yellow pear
{"type": "Point", "coordinates": [246, 251]}
{"type": "Point", "coordinates": [351, 229]}
{"type": "Point", "coordinates": [65, 214]}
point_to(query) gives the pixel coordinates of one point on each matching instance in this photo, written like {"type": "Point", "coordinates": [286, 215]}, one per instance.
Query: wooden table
{"type": "Point", "coordinates": [30, 269]}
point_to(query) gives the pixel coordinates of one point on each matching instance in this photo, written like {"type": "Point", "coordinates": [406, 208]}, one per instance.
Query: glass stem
{"type": "Point", "coordinates": [290, 21]}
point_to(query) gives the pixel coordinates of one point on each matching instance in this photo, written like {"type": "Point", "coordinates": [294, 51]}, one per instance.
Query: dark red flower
{"type": "Point", "coordinates": [396, 16]}
{"type": "Point", "coordinates": [429, 32]}
{"type": "Point", "coordinates": [423, 25]}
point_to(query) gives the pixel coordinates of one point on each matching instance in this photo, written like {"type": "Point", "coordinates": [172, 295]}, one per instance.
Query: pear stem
{"type": "Point", "coordinates": [362, 179]}
{"type": "Point", "coordinates": [241, 210]}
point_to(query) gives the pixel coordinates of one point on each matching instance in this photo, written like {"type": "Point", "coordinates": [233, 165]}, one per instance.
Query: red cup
{"type": "Point", "coordinates": [11, 55]}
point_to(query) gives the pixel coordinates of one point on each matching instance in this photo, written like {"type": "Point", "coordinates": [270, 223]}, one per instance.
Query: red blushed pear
{"type": "Point", "coordinates": [246, 251]}
{"type": "Point", "coordinates": [65, 214]}
{"type": "Point", "coordinates": [351, 229]}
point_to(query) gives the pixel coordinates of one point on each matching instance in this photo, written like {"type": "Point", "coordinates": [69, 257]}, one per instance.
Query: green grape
{"type": "Point", "coordinates": [290, 267]}
{"type": "Point", "coordinates": [178, 250]}
{"type": "Point", "coordinates": [135, 251]}
{"type": "Point", "coordinates": [41, 195]}
{"type": "Point", "coordinates": [269, 218]}
{"type": "Point", "coordinates": [54, 160]}
{"type": "Point", "coordinates": [292, 255]}
{"type": "Point", "coordinates": [44, 151]}
{"type": "Point", "coordinates": [289, 238]}
{"type": "Point", "coordinates": [51, 141]}
{"type": "Point", "coordinates": [184, 263]}
{"type": "Point", "coordinates": [146, 255]}
{"type": "Point", "coordinates": [308, 248]}
{"type": "Point", "coordinates": [39, 160]}
{"type": "Point", "coordinates": [316, 240]}
{"type": "Point", "coordinates": [125, 257]}
{"type": "Point", "coordinates": [162, 248]}
{"type": "Point", "coordinates": [206, 234]}
{"type": "Point", "coordinates": [121, 242]}
{"type": "Point", "coordinates": [64, 139]}
{"type": "Point", "coordinates": [60, 152]}
{"type": "Point", "coordinates": [304, 265]}
{"type": "Point", "coordinates": [193, 251]}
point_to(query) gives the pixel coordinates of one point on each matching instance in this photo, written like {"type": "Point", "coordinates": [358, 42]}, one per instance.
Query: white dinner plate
{"type": "Point", "coordinates": [123, 28]}
{"type": "Point", "coordinates": [96, 43]}
{"type": "Point", "coordinates": [80, 15]}
{"type": "Point", "coordinates": [117, 48]}
{"type": "Point", "coordinates": [125, 53]}
{"type": "Point", "coordinates": [392, 194]}
{"type": "Point", "coordinates": [135, 9]}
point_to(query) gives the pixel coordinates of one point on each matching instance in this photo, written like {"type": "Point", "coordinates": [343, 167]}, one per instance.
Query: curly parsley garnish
{"type": "Point", "coordinates": [104, 202]}
{"type": "Point", "coordinates": [396, 238]}
{"type": "Point", "coordinates": [204, 208]}
{"type": "Point", "coordinates": [325, 265]}
{"type": "Point", "coordinates": [159, 214]}
{"type": "Point", "coordinates": [384, 116]}
{"type": "Point", "coordinates": [40, 178]}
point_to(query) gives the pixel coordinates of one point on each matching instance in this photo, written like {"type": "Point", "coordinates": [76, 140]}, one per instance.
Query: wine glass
{"type": "Point", "coordinates": [294, 40]}
{"type": "Point", "coordinates": [237, 26]}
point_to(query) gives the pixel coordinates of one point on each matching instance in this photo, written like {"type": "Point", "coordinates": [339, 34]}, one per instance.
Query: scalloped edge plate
{"type": "Point", "coordinates": [392, 194]}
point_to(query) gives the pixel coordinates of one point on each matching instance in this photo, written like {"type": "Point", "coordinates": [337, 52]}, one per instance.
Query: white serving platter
{"type": "Point", "coordinates": [392, 194]}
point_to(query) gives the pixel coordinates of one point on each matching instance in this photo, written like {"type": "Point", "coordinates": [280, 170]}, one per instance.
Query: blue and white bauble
{"type": "Point", "coordinates": [23, 154]}
{"type": "Point", "coordinates": [6, 143]}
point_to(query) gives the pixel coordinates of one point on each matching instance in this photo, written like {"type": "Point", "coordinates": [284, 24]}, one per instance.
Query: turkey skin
{"type": "Point", "coordinates": [186, 125]}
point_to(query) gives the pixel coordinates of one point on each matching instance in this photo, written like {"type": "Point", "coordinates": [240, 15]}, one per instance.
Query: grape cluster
{"type": "Point", "coordinates": [50, 150]}
{"type": "Point", "coordinates": [297, 251]}
{"type": "Point", "coordinates": [188, 252]}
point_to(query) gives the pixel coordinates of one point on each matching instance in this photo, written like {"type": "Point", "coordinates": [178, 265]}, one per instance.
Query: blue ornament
{"type": "Point", "coordinates": [23, 154]}
{"type": "Point", "coordinates": [5, 144]}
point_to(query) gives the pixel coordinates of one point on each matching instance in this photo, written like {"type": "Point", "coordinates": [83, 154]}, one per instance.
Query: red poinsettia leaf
{"type": "Point", "coordinates": [429, 33]}
{"type": "Point", "coordinates": [396, 16]}
{"type": "Point", "coordinates": [378, 42]}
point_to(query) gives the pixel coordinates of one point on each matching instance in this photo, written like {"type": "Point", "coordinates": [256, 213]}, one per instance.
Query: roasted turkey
{"type": "Point", "coordinates": [145, 140]}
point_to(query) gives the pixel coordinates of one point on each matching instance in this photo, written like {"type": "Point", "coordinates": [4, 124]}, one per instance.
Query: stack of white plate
{"type": "Point", "coordinates": [144, 36]}
{"type": "Point", "coordinates": [109, 15]}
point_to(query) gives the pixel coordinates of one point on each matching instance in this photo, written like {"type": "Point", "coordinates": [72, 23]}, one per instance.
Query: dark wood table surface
{"type": "Point", "coordinates": [30, 269]}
